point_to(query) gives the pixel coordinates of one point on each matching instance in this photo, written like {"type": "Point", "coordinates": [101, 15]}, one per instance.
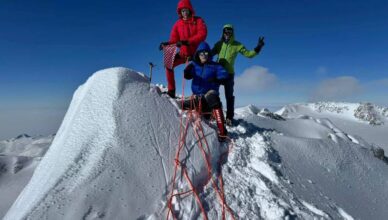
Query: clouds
{"type": "Point", "coordinates": [255, 78]}
{"type": "Point", "coordinates": [383, 82]}
{"type": "Point", "coordinates": [336, 89]}
{"type": "Point", "coordinates": [321, 71]}
{"type": "Point", "coordinates": [258, 85]}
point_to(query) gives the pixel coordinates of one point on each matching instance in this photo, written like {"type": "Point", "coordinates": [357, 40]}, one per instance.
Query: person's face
{"type": "Point", "coordinates": [228, 33]}
{"type": "Point", "coordinates": [185, 13]}
{"type": "Point", "coordinates": [204, 56]}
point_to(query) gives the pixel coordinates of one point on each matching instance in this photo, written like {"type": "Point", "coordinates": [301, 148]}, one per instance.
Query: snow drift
{"type": "Point", "coordinates": [113, 155]}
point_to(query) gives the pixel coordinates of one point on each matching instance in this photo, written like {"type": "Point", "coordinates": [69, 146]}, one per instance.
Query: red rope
{"type": "Point", "coordinates": [195, 193]}
{"type": "Point", "coordinates": [195, 120]}
{"type": "Point", "coordinates": [220, 191]}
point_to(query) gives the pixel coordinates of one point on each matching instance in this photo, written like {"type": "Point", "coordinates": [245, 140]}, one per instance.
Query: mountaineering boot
{"type": "Point", "coordinates": [219, 116]}
{"type": "Point", "coordinates": [229, 122]}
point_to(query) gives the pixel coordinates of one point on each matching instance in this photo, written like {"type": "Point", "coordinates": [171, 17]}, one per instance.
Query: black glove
{"type": "Point", "coordinates": [188, 72]}
{"type": "Point", "coordinates": [163, 44]}
{"type": "Point", "coordinates": [260, 44]}
{"type": "Point", "coordinates": [182, 42]}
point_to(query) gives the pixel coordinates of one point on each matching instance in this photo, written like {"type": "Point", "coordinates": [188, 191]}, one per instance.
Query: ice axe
{"type": "Point", "coordinates": [151, 67]}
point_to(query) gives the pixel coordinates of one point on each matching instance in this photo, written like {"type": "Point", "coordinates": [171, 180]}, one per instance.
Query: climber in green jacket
{"type": "Point", "coordinates": [227, 50]}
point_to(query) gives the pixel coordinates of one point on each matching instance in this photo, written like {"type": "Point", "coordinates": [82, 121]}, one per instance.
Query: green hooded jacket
{"type": "Point", "coordinates": [227, 52]}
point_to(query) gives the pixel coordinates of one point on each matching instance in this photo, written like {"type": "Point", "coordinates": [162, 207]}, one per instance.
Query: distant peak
{"type": "Point", "coordinates": [23, 136]}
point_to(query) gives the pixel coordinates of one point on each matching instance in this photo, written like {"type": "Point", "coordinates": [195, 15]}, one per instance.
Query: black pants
{"type": "Point", "coordinates": [208, 102]}
{"type": "Point", "coordinates": [228, 87]}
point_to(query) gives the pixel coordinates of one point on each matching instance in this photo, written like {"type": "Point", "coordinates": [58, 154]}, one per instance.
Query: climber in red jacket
{"type": "Point", "coordinates": [187, 33]}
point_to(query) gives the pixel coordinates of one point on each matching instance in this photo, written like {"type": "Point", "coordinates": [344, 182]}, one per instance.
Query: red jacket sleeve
{"type": "Point", "coordinates": [174, 36]}
{"type": "Point", "coordinates": [201, 33]}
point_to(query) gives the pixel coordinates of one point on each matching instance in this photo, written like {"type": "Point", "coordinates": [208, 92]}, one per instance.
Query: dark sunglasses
{"type": "Point", "coordinates": [203, 53]}
{"type": "Point", "coordinates": [185, 10]}
{"type": "Point", "coordinates": [228, 31]}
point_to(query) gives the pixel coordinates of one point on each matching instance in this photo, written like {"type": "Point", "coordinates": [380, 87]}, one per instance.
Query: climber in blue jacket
{"type": "Point", "coordinates": [207, 77]}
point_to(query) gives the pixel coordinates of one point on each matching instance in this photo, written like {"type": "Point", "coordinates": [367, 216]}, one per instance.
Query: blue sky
{"type": "Point", "coordinates": [315, 50]}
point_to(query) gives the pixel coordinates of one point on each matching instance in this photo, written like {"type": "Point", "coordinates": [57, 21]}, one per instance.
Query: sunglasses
{"type": "Point", "coordinates": [228, 31]}
{"type": "Point", "coordinates": [203, 54]}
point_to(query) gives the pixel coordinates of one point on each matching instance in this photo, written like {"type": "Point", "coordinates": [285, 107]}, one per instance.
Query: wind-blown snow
{"type": "Point", "coordinates": [113, 158]}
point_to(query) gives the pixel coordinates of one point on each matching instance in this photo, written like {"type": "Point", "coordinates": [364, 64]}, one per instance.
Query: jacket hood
{"type": "Point", "coordinates": [203, 46]}
{"type": "Point", "coordinates": [228, 26]}
{"type": "Point", "coordinates": [185, 4]}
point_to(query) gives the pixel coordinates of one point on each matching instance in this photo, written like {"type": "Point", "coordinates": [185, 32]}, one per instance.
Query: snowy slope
{"type": "Point", "coordinates": [18, 159]}
{"type": "Point", "coordinates": [113, 159]}
{"type": "Point", "coordinates": [365, 120]}
{"type": "Point", "coordinates": [113, 154]}
{"type": "Point", "coordinates": [310, 165]}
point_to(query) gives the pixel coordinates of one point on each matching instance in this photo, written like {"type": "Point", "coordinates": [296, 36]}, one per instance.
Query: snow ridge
{"type": "Point", "coordinates": [113, 155]}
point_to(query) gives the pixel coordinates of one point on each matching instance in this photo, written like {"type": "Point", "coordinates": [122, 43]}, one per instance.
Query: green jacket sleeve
{"type": "Point", "coordinates": [247, 53]}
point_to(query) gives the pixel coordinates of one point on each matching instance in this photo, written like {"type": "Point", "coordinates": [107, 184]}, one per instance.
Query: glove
{"type": "Point", "coordinates": [182, 42]}
{"type": "Point", "coordinates": [163, 44]}
{"type": "Point", "coordinates": [188, 72]}
{"type": "Point", "coordinates": [260, 44]}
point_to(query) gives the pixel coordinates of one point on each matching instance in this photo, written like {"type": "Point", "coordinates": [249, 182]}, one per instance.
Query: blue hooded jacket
{"type": "Point", "coordinates": [205, 76]}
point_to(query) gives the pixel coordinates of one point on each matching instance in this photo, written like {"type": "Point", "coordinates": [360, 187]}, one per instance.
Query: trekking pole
{"type": "Point", "coordinates": [151, 66]}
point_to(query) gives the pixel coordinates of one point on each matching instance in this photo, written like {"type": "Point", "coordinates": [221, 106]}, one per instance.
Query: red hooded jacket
{"type": "Point", "coordinates": [193, 30]}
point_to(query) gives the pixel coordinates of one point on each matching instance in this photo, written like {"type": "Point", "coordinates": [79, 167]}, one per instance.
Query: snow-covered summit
{"type": "Point", "coordinates": [252, 109]}
{"type": "Point", "coordinates": [113, 155]}
{"type": "Point", "coordinates": [22, 136]}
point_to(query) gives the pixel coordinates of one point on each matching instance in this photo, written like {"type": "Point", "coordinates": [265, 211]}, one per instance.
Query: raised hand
{"type": "Point", "coordinates": [260, 44]}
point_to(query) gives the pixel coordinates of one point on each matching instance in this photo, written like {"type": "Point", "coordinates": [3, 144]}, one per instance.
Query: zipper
{"type": "Point", "coordinates": [226, 50]}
